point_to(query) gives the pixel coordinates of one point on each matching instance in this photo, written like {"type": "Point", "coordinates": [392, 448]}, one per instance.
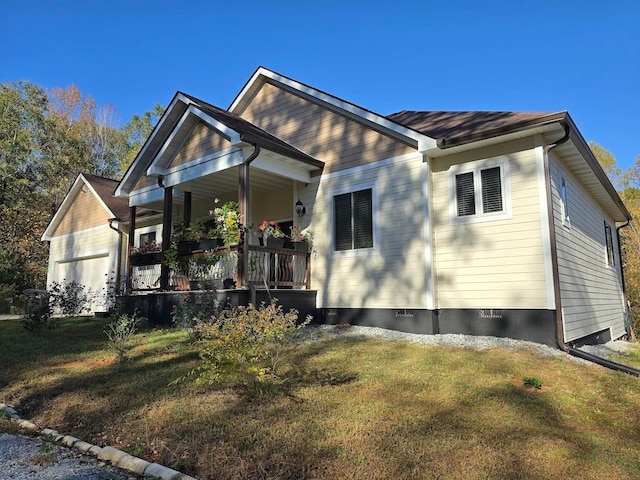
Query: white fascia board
{"type": "Point", "coordinates": [77, 186]}
{"type": "Point", "coordinates": [273, 166]}
{"type": "Point", "coordinates": [120, 192]}
{"type": "Point", "coordinates": [141, 198]}
{"type": "Point", "coordinates": [204, 167]}
{"type": "Point", "coordinates": [423, 142]}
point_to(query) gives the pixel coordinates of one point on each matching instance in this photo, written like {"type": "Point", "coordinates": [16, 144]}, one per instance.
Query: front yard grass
{"type": "Point", "coordinates": [355, 408]}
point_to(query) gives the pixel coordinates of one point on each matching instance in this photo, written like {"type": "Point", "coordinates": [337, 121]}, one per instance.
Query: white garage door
{"type": "Point", "coordinates": [90, 272]}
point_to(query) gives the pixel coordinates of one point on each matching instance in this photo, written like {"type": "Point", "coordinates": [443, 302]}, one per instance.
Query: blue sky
{"type": "Point", "coordinates": [580, 56]}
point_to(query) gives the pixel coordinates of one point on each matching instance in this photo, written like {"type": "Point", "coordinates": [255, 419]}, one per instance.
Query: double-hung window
{"type": "Point", "coordinates": [353, 220]}
{"type": "Point", "coordinates": [479, 191]}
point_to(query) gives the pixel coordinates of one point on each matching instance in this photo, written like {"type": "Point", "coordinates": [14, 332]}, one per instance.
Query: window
{"type": "Point", "coordinates": [353, 220]}
{"type": "Point", "coordinates": [479, 191]}
{"type": "Point", "coordinates": [611, 260]}
{"type": "Point", "coordinates": [148, 238]}
{"type": "Point", "coordinates": [564, 198]}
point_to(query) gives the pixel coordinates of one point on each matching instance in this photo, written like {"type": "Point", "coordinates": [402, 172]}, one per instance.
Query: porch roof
{"type": "Point", "coordinates": [277, 157]}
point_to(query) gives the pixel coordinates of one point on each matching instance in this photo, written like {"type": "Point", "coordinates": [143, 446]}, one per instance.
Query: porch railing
{"type": "Point", "coordinates": [266, 268]}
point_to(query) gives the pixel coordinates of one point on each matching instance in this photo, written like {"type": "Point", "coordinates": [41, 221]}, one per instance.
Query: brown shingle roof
{"type": "Point", "coordinates": [455, 128]}
{"type": "Point", "coordinates": [105, 187]}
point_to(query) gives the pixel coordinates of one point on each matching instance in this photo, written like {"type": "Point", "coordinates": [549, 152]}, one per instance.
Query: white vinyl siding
{"type": "Point", "coordinates": [497, 263]}
{"type": "Point", "coordinates": [390, 275]}
{"type": "Point", "coordinates": [591, 292]}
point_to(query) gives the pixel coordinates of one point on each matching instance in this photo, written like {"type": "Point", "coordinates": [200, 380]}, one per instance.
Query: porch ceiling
{"type": "Point", "coordinates": [227, 181]}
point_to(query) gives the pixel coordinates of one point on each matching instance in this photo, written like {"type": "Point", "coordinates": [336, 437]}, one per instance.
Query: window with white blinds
{"type": "Point", "coordinates": [353, 220]}
{"type": "Point", "coordinates": [479, 192]}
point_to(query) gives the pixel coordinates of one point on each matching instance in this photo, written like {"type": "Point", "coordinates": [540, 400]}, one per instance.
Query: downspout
{"type": "Point", "coordinates": [119, 252]}
{"type": "Point", "coordinates": [552, 233]}
{"type": "Point", "coordinates": [556, 276]}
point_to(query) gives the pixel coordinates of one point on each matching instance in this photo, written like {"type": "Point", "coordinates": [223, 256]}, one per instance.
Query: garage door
{"type": "Point", "coordinates": [90, 272]}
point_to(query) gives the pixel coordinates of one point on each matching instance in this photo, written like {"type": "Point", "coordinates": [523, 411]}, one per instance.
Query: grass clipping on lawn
{"type": "Point", "coordinates": [354, 408]}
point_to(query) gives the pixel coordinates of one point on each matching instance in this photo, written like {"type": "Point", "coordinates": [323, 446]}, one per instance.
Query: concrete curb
{"type": "Point", "coordinates": [118, 458]}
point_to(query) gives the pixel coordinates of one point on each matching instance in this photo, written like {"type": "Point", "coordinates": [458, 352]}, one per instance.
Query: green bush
{"type": "Point", "coordinates": [244, 346]}
{"type": "Point", "coordinates": [38, 315]}
{"type": "Point", "coordinates": [194, 309]}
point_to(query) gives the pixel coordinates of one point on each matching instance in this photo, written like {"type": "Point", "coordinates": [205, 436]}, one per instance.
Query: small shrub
{"type": "Point", "coordinates": [193, 310]}
{"type": "Point", "coordinates": [38, 315]}
{"type": "Point", "coordinates": [532, 382]}
{"type": "Point", "coordinates": [120, 332]}
{"type": "Point", "coordinates": [245, 346]}
{"type": "Point", "coordinates": [71, 298]}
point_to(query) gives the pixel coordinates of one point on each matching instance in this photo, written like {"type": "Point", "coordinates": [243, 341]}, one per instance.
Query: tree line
{"type": "Point", "coordinates": [47, 137]}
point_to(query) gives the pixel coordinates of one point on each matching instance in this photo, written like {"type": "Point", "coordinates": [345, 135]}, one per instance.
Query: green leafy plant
{"type": "Point", "coordinates": [38, 315]}
{"type": "Point", "coordinates": [194, 310]}
{"type": "Point", "coordinates": [120, 333]}
{"type": "Point", "coordinates": [532, 382]}
{"type": "Point", "coordinates": [226, 219]}
{"type": "Point", "coordinates": [244, 346]}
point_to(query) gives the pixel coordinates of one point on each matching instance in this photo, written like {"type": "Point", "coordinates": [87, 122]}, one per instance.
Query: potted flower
{"type": "Point", "coordinates": [226, 220]}
{"type": "Point", "coordinates": [149, 253]}
{"type": "Point", "coordinates": [272, 235]}
{"type": "Point", "coordinates": [301, 240]}
{"type": "Point", "coordinates": [187, 239]}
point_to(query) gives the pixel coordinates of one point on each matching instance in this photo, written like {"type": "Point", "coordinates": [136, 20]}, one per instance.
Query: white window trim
{"type": "Point", "coordinates": [475, 167]}
{"type": "Point", "coordinates": [149, 229]}
{"type": "Point", "coordinates": [355, 252]}
{"type": "Point", "coordinates": [564, 199]}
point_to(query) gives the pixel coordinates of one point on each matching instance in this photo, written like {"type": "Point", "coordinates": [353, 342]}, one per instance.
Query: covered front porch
{"type": "Point", "coordinates": [198, 157]}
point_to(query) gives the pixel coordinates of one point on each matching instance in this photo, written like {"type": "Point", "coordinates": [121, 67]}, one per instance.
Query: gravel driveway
{"type": "Point", "coordinates": [28, 458]}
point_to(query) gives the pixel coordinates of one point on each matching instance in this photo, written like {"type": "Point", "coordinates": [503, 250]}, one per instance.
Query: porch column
{"type": "Point", "coordinates": [166, 234]}
{"type": "Point", "coordinates": [130, 243]}
{"type": "Point", "coordinates": [186, 212]}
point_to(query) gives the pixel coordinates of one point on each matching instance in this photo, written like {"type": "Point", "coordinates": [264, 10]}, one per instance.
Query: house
{"type": "Point", "coordinates": [85, 245]}
{"type": "Point", "coordinates": [486, 223]}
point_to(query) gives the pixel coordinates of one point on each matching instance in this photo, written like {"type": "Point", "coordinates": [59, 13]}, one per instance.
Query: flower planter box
{"type": "Point", "coordinates": [211, 243]}
{"type": "Point", "coordinates": [142, 259]}
{"type": "Point", "coordinates": [300, 246]}
{"type": "Point", "coordinates": [274, 242]}
{"type": "Point", "coordinates": [187, 247]}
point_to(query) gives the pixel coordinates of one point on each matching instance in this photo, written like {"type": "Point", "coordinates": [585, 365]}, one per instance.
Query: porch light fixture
{"type": "Point", "coordinates": [300, 208]}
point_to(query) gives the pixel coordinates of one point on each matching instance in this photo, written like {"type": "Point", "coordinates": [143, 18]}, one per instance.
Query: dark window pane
{"type": "Point", "coordinates": [362, 219]}
{"type": "Point", "coordinates": [608, 238]}
{"type": "Point", "coordinates": [464, 194]}
{"type": "Point", "coordinates": [491, 190]}
{"type": "Point", "coordinates": [342, 210]}
{"type": "Point", "coordinates": [147, 238]}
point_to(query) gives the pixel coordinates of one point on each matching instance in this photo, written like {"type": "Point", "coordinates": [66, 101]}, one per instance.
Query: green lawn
{"type": "Point", "coordinates": [355, 409]}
